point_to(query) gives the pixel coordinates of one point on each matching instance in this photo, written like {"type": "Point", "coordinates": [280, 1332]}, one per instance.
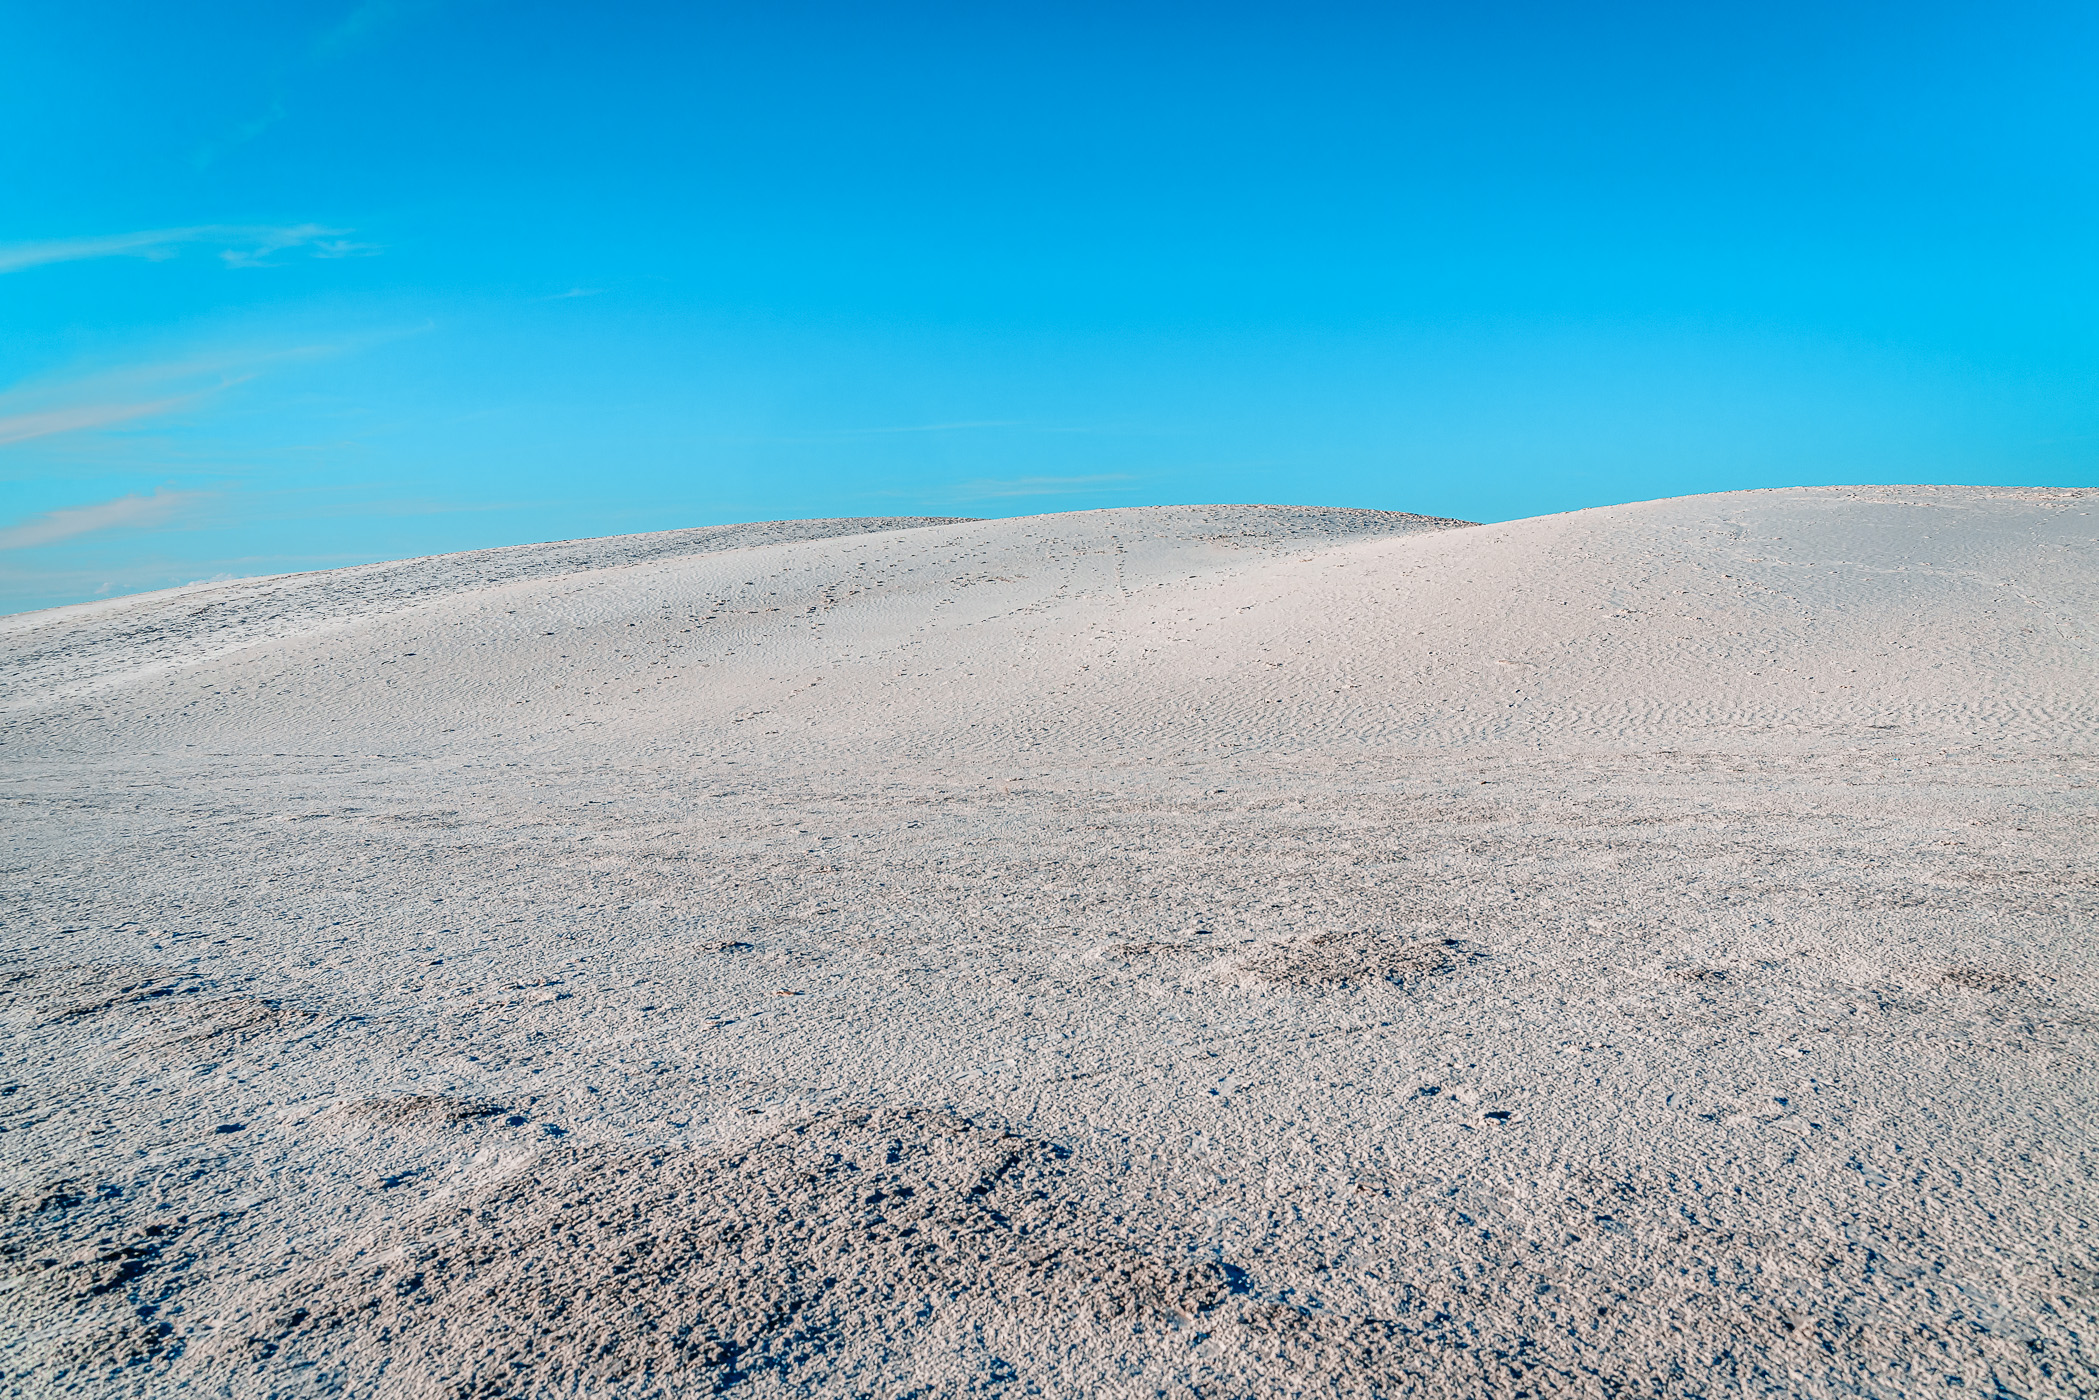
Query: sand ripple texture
{"type": "Point", "coordinates": [1198, 951]}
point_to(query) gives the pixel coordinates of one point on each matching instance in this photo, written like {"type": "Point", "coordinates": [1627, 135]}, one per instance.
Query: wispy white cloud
{"type": "Point", "coordinates": [153, 243]}
{"type": "Point", "coordinates": [21, 427]}
{"type": "Point", "coordinates": [344, 248]}
{"type": "Point", "coordinates": [105, 398]}
{"type": "Point", "coordinates": [307, 236]}
{"type": "Point", "coordinates": [240, 245]}
{"type": "Point", "coordinates": [985, 489]}
{"type": "Point", "coordinates": [123, 513]}
{"type": "Point", "coordinates": [574, 292]}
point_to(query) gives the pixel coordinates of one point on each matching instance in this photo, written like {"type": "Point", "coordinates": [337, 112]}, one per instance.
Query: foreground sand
{"type": "Point", "coordinates": [1223, 951]}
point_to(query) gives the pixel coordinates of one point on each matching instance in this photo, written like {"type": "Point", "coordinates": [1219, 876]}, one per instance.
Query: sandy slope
{"type": "Point", "coordinates": [1221, 950]}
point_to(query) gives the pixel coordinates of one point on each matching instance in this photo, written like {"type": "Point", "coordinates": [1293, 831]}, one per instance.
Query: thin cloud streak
{"type": "Point", "coordinates": [123, 513]}
{"type": "Point", "coordinates": [22, 427]}
{"type": "Point", "coordinates": [110, 397]}
{"type": "Point", "coordinates": [240, 245]}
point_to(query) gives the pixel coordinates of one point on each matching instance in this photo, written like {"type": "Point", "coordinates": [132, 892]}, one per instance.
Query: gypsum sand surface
{"type": "Point", "coordinates": [1223, 951]}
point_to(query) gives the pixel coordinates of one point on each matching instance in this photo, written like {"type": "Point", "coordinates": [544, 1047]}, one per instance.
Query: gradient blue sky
{"type": "Point", "coordinates": [289, 285]}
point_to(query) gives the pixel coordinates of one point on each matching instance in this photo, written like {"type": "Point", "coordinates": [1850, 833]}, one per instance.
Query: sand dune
{"type": "Point", "coordinates": [1197, 950]}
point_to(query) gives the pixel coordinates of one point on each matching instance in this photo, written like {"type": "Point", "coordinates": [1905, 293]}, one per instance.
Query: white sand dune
{"type": "Point", "coordinates": [1189, 951]}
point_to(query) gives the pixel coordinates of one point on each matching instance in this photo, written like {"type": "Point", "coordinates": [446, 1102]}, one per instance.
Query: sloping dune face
{"type": "Point", "coordinates": [1196, 950]}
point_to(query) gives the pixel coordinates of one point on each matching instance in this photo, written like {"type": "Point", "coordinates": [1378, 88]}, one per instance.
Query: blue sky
{"type": "Point", "coordinates": [288, 285]}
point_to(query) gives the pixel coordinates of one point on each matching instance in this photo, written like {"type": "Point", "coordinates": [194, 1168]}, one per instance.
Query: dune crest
{"type": "Point", "coordinates": [1182, 950]}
